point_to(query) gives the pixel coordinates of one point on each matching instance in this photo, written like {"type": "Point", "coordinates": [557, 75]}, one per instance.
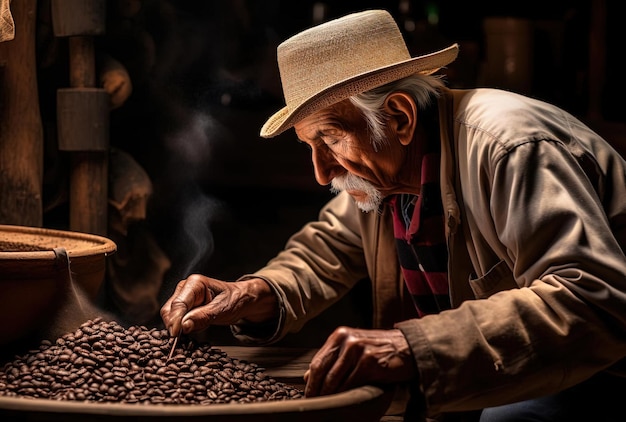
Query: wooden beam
{"type": "Point", "coordinates": [21, 132]}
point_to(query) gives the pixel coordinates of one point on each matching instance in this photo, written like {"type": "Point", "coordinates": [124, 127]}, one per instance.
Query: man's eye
{"type": "Point", "coordinates": [330, 140]}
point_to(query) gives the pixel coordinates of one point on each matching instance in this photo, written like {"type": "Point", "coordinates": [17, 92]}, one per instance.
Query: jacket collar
{"type": "Point", "coordinates": [458, 237]}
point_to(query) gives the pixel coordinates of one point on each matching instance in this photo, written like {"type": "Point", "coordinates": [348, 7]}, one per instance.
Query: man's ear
{"type": "Point", "coordinates": [402, 115]}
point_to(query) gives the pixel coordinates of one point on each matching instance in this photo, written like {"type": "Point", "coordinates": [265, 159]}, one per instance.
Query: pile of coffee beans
{"type": "Point", "coordinates": [104, 362]}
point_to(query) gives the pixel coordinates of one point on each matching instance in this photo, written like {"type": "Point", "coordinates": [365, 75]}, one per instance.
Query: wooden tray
{"type": "Point", "coordinates": [364, 404]}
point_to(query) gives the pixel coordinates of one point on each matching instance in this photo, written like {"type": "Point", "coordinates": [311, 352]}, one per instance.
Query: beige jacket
{"type": "Point", "coordinates": [535, 203]}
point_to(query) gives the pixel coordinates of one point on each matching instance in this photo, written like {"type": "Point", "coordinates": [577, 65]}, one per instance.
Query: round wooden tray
{"type": "Point", "coordinates": [363, 404]}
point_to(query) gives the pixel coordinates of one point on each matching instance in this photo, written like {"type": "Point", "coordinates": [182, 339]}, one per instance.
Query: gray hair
{"type": "Point", "coordinates": [423, 89]}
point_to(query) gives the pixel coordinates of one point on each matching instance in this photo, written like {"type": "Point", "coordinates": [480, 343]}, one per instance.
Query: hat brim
{"type": "Point", "coordinates": [427, 64]}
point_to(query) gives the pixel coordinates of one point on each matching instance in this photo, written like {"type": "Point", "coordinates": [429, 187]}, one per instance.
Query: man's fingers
{"type": "Point", "coordinates": [176, 315]}
{"type": "Point", "coordinates": [358, 376]}
{"type": "Point", "coordinates": [171, 314]}
{"type": "Point", "coordinates": [217, 311]}
{"type": "Point", "coordinates": [321, 363]}
{"type": "Point", "coordinates": [340, 370]}
{"type": "Point", "coordinates": [188, 294]}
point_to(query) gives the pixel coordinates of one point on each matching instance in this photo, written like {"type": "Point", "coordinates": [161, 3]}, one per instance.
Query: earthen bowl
{"type": "Point", "coordinates": [34, 278]}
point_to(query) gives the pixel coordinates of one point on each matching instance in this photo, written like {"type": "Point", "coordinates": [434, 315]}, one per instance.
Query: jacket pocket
{"type": "Point", "coordinates": [497, 279]}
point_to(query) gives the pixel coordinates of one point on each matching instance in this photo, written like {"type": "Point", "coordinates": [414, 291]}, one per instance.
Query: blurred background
{"type": "Point", "coordinates": [221, 201]}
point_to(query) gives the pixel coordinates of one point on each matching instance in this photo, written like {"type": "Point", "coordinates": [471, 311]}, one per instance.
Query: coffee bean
{"type": "Point", "coordinates": [104, 362]}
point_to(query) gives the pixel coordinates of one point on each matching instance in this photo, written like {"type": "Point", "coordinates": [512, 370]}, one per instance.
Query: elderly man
{"type": "Point", "coordinates": [492, 227]}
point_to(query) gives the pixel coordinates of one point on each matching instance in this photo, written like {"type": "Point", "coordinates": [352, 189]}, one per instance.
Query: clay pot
{"type": "Point", "coordinates": [35, 279]}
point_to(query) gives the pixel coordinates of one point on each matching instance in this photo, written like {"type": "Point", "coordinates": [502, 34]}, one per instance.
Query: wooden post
{"type": "Point", "coordinates": [21, 132]}
{"type": "Point", "coordinates": [89, 172]}
{"type": "Point", "coordinates": [79, 126]}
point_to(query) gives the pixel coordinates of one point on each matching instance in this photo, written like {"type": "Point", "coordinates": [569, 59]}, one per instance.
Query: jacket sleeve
{"type": "Point", "coordinates": [318, 266]}
{"type": "Point", "coordinates": [550, 312]}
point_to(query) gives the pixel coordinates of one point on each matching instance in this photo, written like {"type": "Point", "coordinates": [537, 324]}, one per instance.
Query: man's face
{"type": "Point", "coordinates": [343, 154]}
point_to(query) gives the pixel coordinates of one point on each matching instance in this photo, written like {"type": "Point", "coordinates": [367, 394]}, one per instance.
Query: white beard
{"type": "Point", "coordinates": [349, 181]}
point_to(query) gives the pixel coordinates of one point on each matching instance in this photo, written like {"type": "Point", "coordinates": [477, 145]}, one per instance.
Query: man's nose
{"type": "Point", "coordinates": [325, 166]}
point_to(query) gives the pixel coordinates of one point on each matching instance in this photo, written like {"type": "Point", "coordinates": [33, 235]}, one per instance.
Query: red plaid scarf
{"type": "Point", "coordinates": [420, 240]}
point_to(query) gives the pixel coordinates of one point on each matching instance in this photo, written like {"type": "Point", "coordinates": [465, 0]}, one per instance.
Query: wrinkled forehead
{"type": "Point", "coordinates": [343, 114]}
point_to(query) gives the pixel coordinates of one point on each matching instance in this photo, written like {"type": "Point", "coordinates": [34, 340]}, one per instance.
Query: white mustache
{"type": "Point", "coordinates": [349, 181]}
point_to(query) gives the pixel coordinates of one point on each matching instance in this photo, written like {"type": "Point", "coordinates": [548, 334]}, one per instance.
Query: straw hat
{"type": "Point", "coordinates": [343, 57]}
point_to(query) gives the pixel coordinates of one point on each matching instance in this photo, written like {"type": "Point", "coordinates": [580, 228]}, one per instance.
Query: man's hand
{"type": "Point", "coordinates": [200, 301]}
{"type": "Point", "coordinates": [354, 357]}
